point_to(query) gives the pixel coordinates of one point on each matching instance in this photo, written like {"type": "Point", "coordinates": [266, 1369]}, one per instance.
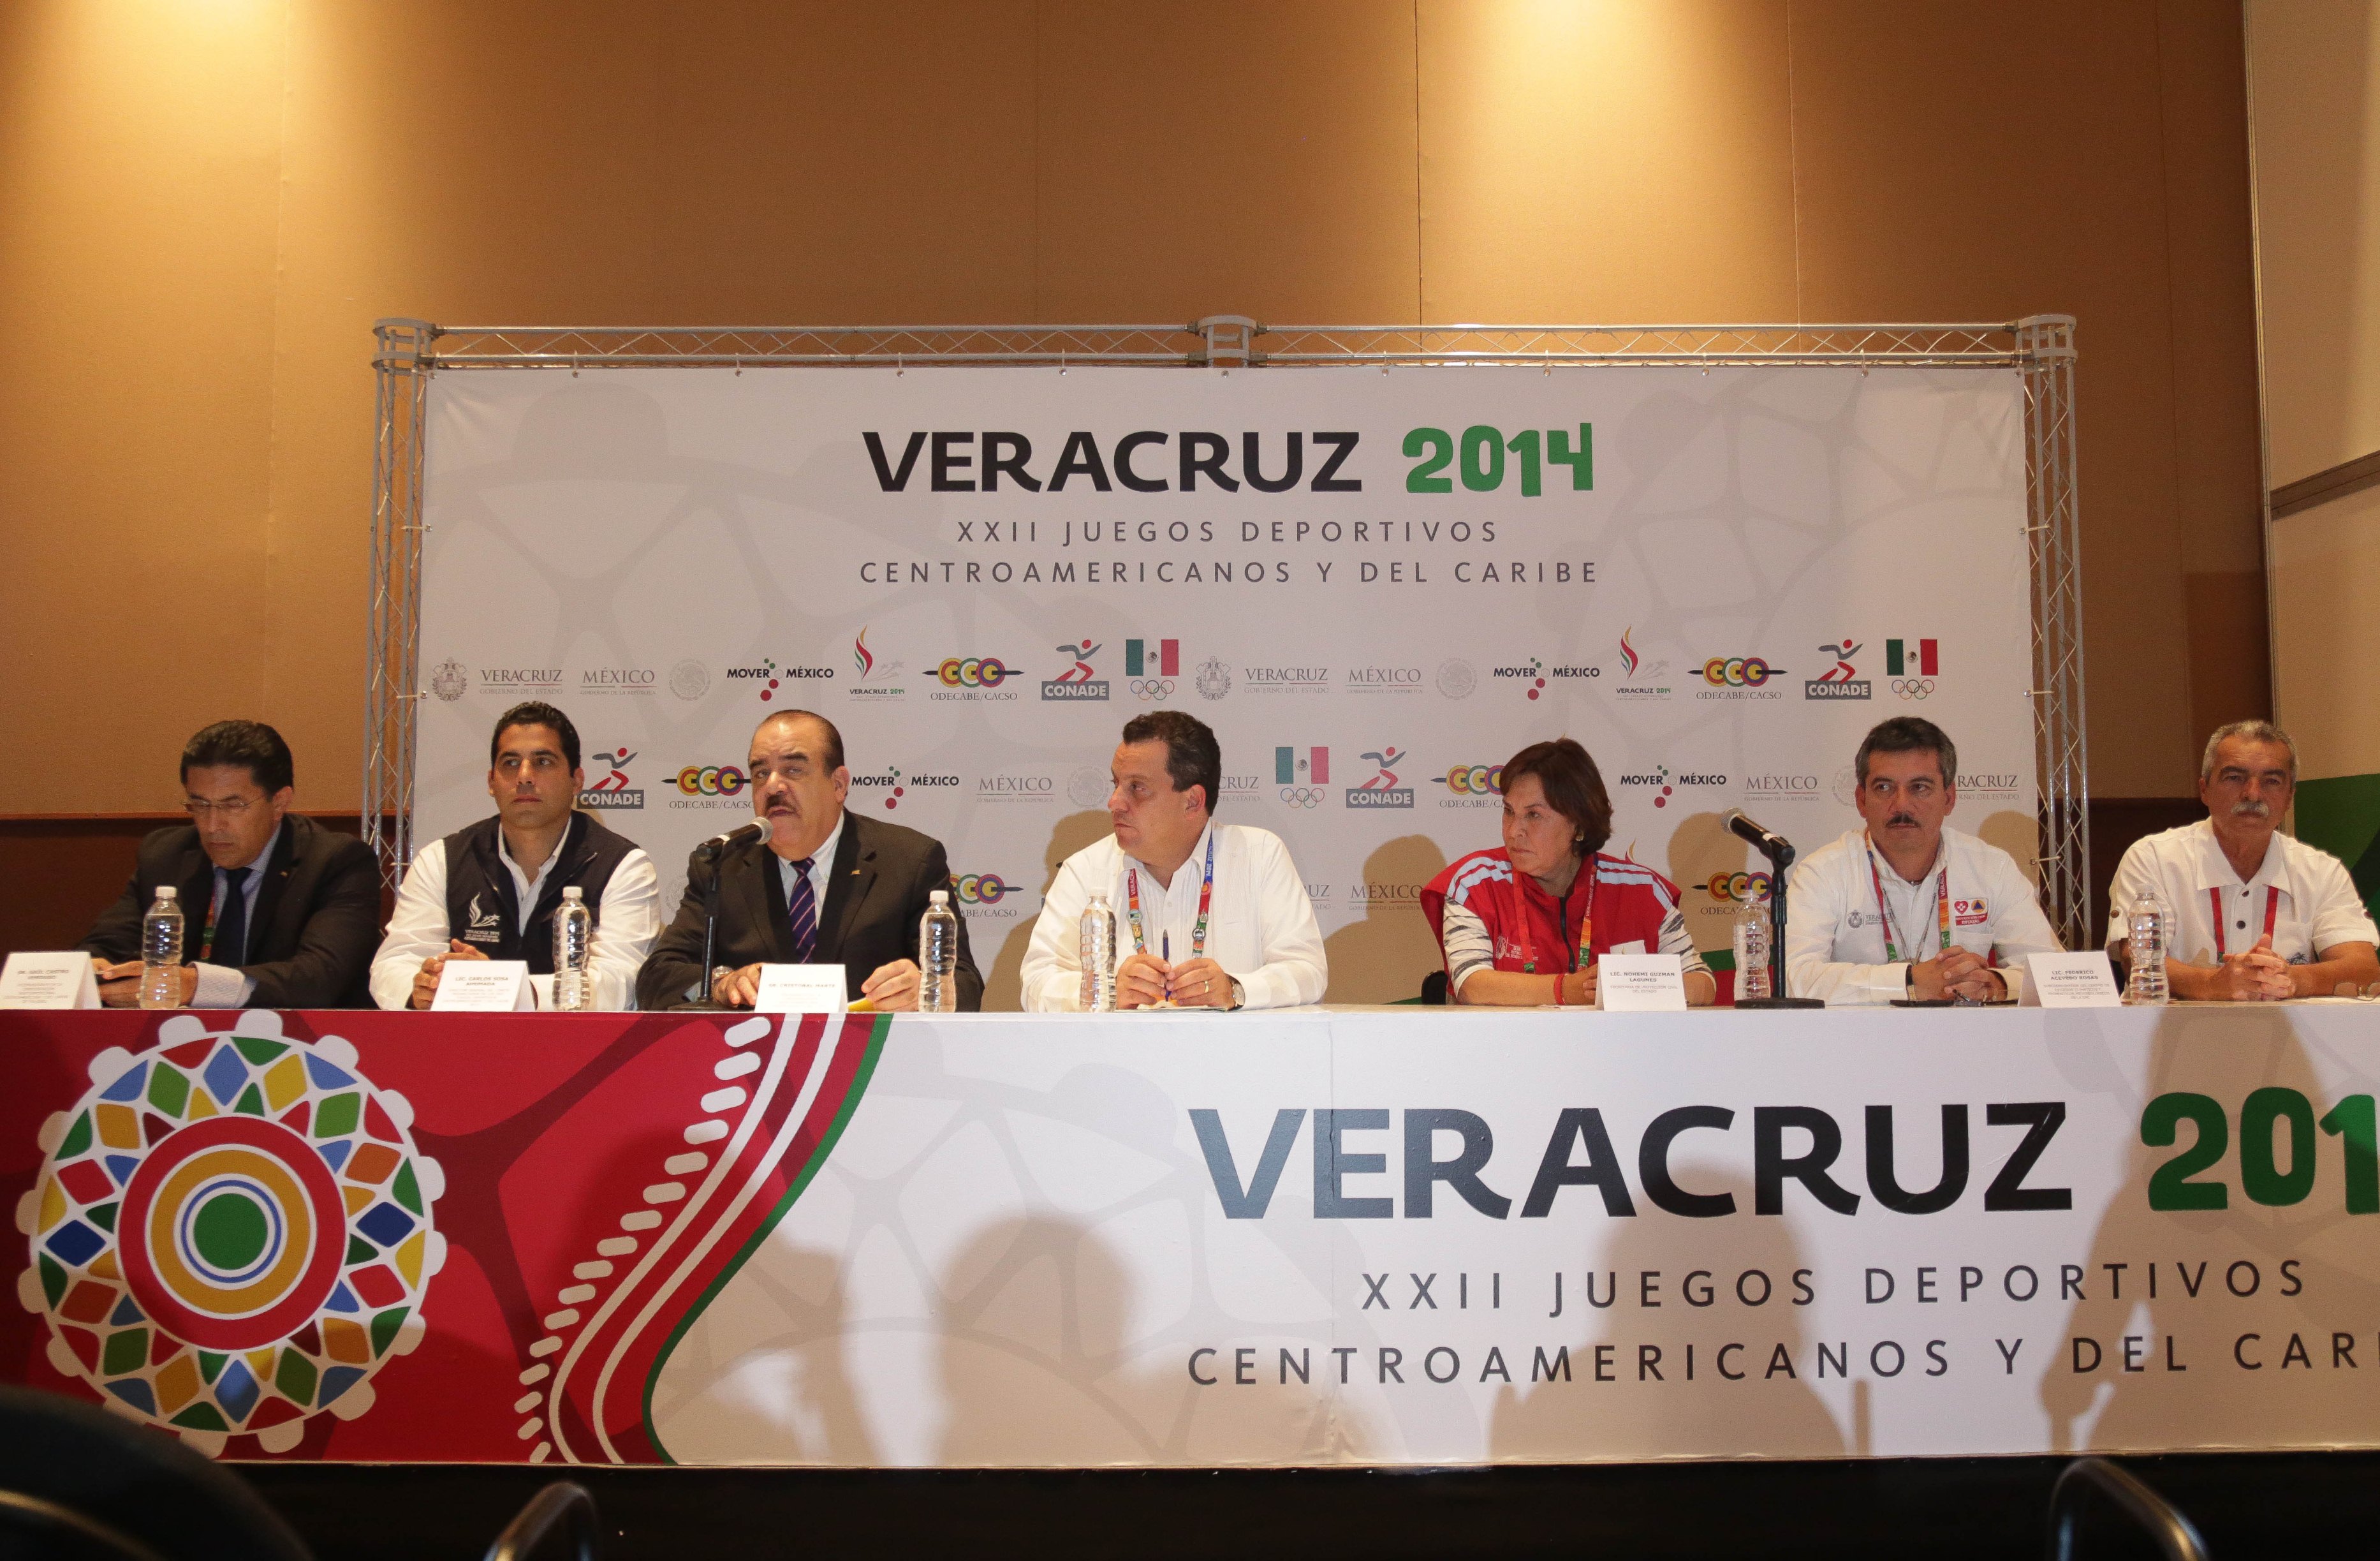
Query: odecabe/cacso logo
{"type": "Point", "coordinates": [1735, 888]}
{"type": "Point", "coordinates": [1739, 678]}
{"type": "Point", "coordinates": [711, 784]}
{"type": "Point", "coordinates": [1474, 785]}
{"type": "Point", "coordinates": [982, 888]}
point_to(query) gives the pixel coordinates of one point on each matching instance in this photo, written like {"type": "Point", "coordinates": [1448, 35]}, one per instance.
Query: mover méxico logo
{"type": "Point", "coordinates": [1838, 681]}
{"type": "Point", "coordinates": [1077, 682]}
{"type": "Point", "coordinates": [769, 675]}
{"type": "Point", "coordinates": [1659, 778]}
{"type": "Point", "coordinates": [893, 785]}
{"type": "Point", "coordinates": [1382, 791]}
{"type": "Point", "coordinates": [1533, 673]}
{"type": "Point", "coordinates": [612, 790]}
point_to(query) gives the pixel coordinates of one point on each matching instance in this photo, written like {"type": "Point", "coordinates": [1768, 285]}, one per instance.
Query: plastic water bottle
{"type": "Point", "coordinates": [2147, 931]}
{"type": "Point", "coordinates": [1752, 951]}
{"type": "Point", "coordinates": [1098, 947]}
{"type": "Point", "coordinates": [938, 956]}
{"type": "Point", "coordinates": [161, 952]}
{"type": "Point", "coordinates": [573, 952]}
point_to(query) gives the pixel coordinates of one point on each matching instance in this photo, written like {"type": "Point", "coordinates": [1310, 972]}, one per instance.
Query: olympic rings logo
{"type": "Point", "coordinates": [712, 780]}
{"type": "Point", "coordinates": [1912, 688]}
{"type": "Point", "coordinates": [1738, 672]}
{"type": "Point", "coordinates": [972, 672]}
{"type": "Point", "coordinates": [1475, 780]}
{"type": "Point", "coordinates": [983, 888]}
{"type": "Point", "coordinates": [1302, 796]}
{"type": "Point", "coordinates": [1739, 887]}
{"type": "Point", "coordinates": [1152, 688]}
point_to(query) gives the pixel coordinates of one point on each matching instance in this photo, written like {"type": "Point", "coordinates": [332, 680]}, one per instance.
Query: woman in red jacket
{"type": "Point", "coordinates": [1523, 924]}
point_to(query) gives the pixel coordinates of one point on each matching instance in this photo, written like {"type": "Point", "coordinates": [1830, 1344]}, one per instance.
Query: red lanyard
{"type": "Point", "coordinates": [2272, 913]}
{"type": "Point", "coordinates": [1206, 898]}
{"type": "Point", "coordinates": [1941, 906]}
{"type": "Point", "coordinates": [1586, 925]}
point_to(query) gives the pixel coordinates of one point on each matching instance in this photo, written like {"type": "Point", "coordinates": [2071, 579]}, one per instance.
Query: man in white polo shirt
{"type": "Point", "coordinates": [2258, 915]}
{"type": "Point", "coordinates": [1907, 907]}
{"type": "Point", "coordinates": [1207, 915]}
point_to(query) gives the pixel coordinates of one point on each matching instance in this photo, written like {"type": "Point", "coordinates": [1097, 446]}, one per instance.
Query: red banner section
{"type": "Point", "coordinates": [397, 1236]}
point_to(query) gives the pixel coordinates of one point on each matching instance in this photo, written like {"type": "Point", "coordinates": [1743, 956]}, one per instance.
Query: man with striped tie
{"type": "Point", "coordinates": [818, 885]}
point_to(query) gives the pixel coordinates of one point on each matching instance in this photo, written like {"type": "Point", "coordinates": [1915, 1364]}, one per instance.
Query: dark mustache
{"type": "Point", "coordinates": [1901, 818]}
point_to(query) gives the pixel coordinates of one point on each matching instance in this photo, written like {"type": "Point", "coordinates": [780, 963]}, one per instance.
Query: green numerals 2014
{"type": "Point", "coordinates": [1482, 450]}
{"type": "Point", "coordinates": [2269, 1174]}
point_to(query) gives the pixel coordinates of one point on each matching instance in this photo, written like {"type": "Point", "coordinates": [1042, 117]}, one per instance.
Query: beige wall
{"type": "Point", "coordinates": [203, 206]}
{"type": "Point", "coordinates": [2316, 67]}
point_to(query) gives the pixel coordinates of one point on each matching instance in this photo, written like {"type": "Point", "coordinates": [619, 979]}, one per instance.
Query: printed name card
{"type": "Point", "coordinates": [800, 988]}
{"type": "Point", "coordinates": [48, 981]}
{"type": "Point", "coordinates": [2070, 981]}
{"type": "Point", "coordinates": [482, 986]}
{"type": "Point", "coordinates": [1640, 983]}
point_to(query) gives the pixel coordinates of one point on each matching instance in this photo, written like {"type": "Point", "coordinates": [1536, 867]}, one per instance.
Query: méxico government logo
{"type": "Point", "coordinates": [232, 1233]}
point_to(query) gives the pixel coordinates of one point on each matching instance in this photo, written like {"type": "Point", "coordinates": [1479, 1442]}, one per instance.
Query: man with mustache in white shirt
{"type": "Point", "coordinates": [2259, 916]}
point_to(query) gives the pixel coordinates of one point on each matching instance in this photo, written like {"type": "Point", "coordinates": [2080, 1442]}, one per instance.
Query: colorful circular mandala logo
{"type": "Point", "coordinates": [232, 1232]}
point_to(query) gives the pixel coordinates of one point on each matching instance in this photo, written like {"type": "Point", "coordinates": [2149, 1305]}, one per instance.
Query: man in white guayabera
{"type": "Point", "coordinates": [1208, 915]}
{"type": "Point", "coordinates": [2258, 916]}
{"type": "Point", "coordinates": [1907, 907]}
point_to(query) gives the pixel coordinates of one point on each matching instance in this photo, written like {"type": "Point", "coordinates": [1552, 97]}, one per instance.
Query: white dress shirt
{"type": "Point", "coordinates": [1260, 926]}
{"type": "Point", "coordinates": [1834, 937]}
{"type": "Point", "coordinates": [625, 923]}
{"type": "Point", "coordinates": [224, 986]}
{"type": "Point", "coordinates": [2315, 908]}
{"type": "Point", "coordinates": [822, 864]}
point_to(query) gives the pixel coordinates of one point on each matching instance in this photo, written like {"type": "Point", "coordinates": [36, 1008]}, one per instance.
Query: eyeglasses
{"type": "Point", "coordinates": [234, 807]}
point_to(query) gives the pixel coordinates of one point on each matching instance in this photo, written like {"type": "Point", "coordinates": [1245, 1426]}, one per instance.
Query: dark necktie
{"type": "Point", "coordinates": [802, 908]}
{"type": "Point", "coordinates": [231, 923]}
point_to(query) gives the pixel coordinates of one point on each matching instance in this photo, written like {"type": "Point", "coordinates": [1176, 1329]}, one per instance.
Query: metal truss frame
{"type": "Point", "coordinates": [2041, 347]}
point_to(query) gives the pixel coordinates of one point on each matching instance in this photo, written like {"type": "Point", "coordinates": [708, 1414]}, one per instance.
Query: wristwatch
{"type": "Point", "coordinates": [1239, 994]}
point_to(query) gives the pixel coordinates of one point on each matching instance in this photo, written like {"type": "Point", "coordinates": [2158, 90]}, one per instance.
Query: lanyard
{"type": "Point", "coordinates": [2272, 913]}
{"type": "Point", "coordinates": [1941, 907]}
{"type": "Point", "coordinates": [1205, 900]}
{"type": "Point", "coordinates": [1586, 925]}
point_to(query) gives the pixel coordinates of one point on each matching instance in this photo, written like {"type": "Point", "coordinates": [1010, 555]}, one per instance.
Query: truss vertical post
{"type": "Point", "coordinates": [401, 372]}
{"type": "Point", "coordinates": [2053, 532]}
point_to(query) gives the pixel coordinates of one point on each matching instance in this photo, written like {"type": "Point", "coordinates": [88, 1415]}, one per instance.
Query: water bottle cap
{"type": "Point", "coordinates": [167, 892]}
{"type": "Point", "coordinates": [572, 893]}
{"type": "Point", "coordinates": [940, 896]}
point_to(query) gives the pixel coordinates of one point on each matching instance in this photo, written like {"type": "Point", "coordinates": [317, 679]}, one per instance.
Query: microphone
{"type": "Point", "coordinates": [710, 850]}
{"type": "Point", "coordinates": [1773, 845]}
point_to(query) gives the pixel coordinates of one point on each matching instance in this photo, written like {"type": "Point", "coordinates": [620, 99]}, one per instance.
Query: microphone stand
{"type": "Point", "coordinates": [1780, 857]}
{"type": "Point", "coordinates": [708, 854]}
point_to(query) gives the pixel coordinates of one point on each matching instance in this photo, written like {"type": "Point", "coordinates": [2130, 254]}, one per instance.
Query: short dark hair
{"type": "Point", "coordinates": [833, 737]}
{"type": "Point", "coordinates": [1193, 757]}
{"type": "Point", "coordinates": [252, 744]}
{"type": "Point", "coordinates": [534, 713]}
{"type": "Point", "coordinates": [1573, 789]}
{"type": "Point", "coordinates": [1910, 734]}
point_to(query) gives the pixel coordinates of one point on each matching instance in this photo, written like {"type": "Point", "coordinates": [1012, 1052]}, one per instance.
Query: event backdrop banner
{"type": "Point", "coordinates": [1387, 1236]}
{"type": "Point", "coordinates": [1376, 586]}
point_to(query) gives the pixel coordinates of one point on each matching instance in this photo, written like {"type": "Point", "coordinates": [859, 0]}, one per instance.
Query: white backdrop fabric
{"type": "Point", "coordinates": [1766, 562]}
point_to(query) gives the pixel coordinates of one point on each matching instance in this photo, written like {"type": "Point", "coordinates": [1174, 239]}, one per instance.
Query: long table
{"type": "Point", "coordinates": [1312, 1237]}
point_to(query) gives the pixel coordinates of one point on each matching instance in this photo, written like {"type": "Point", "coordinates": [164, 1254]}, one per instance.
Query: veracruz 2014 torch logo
{"type": "Point", "coordinates": [232, 1232]}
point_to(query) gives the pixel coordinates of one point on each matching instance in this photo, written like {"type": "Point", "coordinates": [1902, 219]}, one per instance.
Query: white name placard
{"type": "Point", "coordinates": [1639, 983]}
{"type": "Point", "coordinates": [2070, 981]}
{"type": "Point", "coordinates": [482, 986]}
{"type": "Point", "coordinates": [48, 981]}
{"type": "Point", "coordinates": [800, 988]}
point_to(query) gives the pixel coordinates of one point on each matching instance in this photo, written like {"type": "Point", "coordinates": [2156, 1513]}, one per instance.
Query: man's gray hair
{"type": "Point", "coordinates": [2254, 731]}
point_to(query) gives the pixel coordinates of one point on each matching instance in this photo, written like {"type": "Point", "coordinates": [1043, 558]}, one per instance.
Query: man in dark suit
{"type": "Point", "coordinates": [278, 911]}
{"type": "Point", "coordinates": [819, 885]}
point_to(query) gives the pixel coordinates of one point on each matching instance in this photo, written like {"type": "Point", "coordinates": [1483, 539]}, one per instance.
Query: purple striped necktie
{"type": "Point", "coordinates": [802, 908]}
